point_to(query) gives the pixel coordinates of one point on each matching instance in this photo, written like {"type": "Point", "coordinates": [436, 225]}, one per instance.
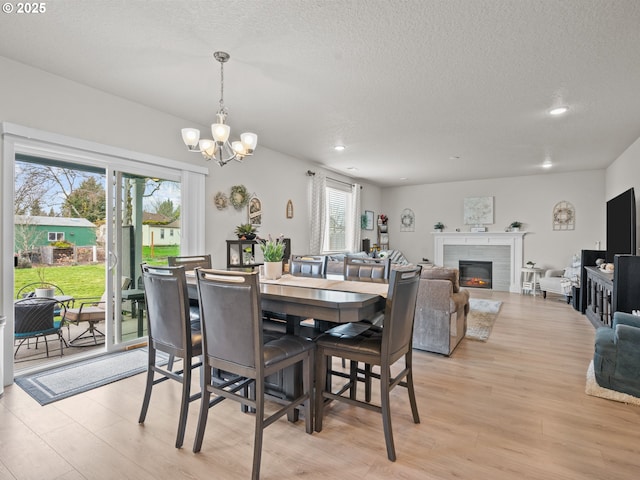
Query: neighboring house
{"type": "Point", "coordinates": [158, 230]}
{"type": "Point", "coordinates": [37, 231]}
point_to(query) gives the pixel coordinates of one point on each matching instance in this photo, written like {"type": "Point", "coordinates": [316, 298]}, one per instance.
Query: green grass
{"type": "Point", "coordinates": [86, 280]}
{"type": "Point", "coordinates": [76, 280]}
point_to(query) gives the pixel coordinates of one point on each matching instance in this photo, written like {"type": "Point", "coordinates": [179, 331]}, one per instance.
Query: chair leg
{"type": "Point", "coordinates": [204, 411]}
{"type": "Point", "coordinates": [321, 386]}
{"type": "Point", "coordinates": [259, 429]}
{"type": "Point", "coordinates": [307, 386]}
{"type": "Point", "coordinates": [149, 386]}
{"type": "Point", "coordinates": [411, 390]}
{"type": "Point", "coordinates": [367, 382]}
{"type": "Point", "coordinates": [386, 413]}
{"type": "Point", "coordinates": [184, 405]}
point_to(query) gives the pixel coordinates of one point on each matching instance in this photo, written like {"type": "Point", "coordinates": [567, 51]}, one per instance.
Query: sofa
{"type": "Point", "coordinates": [440, 321]}
{"type": "Point", "coordinates": [335, 262]}
{"type": "Point", "coordinates": [616, 358]}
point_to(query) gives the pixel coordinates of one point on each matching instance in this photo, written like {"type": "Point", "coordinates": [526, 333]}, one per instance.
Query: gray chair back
{"type": "Point", "coordinates": [230, 313]}
{"type": "Point", "coordinates": [397, 327]}
{"type": "Point", "coordinates": [308, 265]}
{"type": "Point", "coordinates": [167, 304]}
{"type": "Point", "coordinates": [366, 269]}
{"type": "Point", "coordinates": [190, 262]}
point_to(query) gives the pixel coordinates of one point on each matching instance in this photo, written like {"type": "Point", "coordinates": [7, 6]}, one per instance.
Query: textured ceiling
{"type": "Point", "coordinates": [432, 91]}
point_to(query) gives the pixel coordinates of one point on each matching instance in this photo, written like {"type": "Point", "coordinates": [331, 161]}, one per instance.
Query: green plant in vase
{"type": "Point", "coordinates": [272, 250]}
{"type": "Point", "coordinates": [246, 231]}
{"type": "Point", "coordinates": [273, 253]}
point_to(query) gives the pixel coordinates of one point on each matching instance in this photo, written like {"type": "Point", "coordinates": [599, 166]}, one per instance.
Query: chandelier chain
{"type": "Point", "coordinates": [221, 87]}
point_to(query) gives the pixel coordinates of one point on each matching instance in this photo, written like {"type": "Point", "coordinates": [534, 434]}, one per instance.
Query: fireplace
{"type": "Point", "coordinates": [475, 273]}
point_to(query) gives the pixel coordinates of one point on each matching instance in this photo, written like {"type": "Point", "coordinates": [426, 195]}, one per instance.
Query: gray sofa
{"type": "Point", "coordinates": [441, 311]}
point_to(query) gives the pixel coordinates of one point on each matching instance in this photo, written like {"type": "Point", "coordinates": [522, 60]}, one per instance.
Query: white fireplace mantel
{"type": "Point", "coordinates": [514, 240]}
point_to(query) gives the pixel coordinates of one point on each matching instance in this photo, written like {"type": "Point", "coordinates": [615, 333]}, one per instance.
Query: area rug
{"type": "Point", "coordinates": [482, 316]}
{"type": "Point", "coordinates": [62, 382]}
{"type": "Point", "coordinates": [596, 390]}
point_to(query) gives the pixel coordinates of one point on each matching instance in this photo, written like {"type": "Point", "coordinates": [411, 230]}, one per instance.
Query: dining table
{"type": "Point", "coordinates": [326, 300]}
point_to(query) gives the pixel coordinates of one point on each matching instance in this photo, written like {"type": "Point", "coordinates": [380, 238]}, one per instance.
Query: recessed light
{"type": "Point", "coordinates": [547, 164]}
{"type": "Point", "coordinates": [403, 178]}
{"type": "Point", "coordinates": [558, 110]}
{"type": "Point", "coordinates": [339, 148]}
{"type": "Point", "coordinates": [454, 157]}
{"type": "Point", "coordinates": [353, 169]}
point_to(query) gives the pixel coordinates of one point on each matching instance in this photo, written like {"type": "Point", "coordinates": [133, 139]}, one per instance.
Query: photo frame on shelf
{"type": "Point", "coordinates": [367, 223]}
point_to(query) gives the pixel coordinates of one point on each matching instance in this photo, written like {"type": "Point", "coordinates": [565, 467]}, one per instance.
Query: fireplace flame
{"type": "Point", "coordinates": [475, 281]}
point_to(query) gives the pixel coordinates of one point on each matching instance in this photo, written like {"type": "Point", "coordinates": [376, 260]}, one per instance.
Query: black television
{"type": "Point", "coordinates": [621, 225]}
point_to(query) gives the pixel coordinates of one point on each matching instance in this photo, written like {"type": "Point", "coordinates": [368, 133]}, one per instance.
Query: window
{"type": "Point", "coordinates": [162, 233]}
{"type": "Point", "coordinates": [55, 236]}
{"type": "Point", "coordinates": [171, 232]}
{"type": "Point", "coordinates": [338, 214]}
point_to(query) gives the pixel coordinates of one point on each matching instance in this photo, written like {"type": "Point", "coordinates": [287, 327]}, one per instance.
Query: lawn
{"type": "Point", "coordinates": [86, 280]}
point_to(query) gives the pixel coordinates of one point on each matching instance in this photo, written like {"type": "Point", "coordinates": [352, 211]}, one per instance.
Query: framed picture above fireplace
{"type": "Point", "coordinates": [478, 211]}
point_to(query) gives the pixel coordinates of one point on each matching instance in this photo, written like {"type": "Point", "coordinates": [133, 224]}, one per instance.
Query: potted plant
{"type": "Point", "coordinates": [246, 231]}
{"type": "Point", "coordinates": [272, 252]}
{"type": "Point", "coordinates": [438, 227]}
{"type": "Point", "coordinates": [515, 226]}
{"type": "Point", "coordinates": [531, 264]}
{"type": "Point", "coordinates": [44, 290]}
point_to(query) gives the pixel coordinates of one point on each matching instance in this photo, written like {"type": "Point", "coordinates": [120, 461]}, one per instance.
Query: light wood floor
{"type": "Point", "coordinates": [511, 408]}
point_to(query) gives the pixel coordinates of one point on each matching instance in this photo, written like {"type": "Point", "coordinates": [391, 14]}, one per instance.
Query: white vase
{"type": "Point", "coordinates": [272, 270]}
{"type": "Point", "coordinates": [45, 292]}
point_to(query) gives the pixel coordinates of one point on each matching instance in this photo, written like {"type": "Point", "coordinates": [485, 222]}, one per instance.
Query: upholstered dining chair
{"type": "Point", "coordinates": [308, 265]}
{"type": "Point", "coordinates": [374, 346]}
{"type": "Point", "coordinates": [167, 305]}
{"type": "Point", "coordinates": [365, 269]}
{"type": "Point", "coordinates": [233, 342]}
{"type": "Point", "coordinates": [190, 262]}
{"type": "Point", "coordinates": [36, 318]}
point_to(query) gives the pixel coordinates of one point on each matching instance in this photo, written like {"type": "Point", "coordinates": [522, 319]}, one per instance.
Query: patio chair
{"type": "Point", "coordinates": [36, 318]}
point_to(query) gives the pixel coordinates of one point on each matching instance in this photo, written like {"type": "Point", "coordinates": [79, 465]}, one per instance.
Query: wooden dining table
{"type": "Point", "coordinates": [297, 297]}
{"type": "Point", "coordinates": [326, 301]}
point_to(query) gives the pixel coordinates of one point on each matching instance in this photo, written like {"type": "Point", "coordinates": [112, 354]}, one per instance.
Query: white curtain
{"type": "Point", "coordinates": [317, 214]}
{"type": "Point", "coordinates": [354, 226]}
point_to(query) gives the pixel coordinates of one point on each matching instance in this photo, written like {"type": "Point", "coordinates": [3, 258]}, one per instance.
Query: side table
{"type": "Point", "coordinates": [530, 280]}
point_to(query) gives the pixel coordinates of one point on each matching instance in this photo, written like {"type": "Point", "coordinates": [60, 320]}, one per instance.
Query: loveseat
{"type": "Point", "coordinates": [440, 321]}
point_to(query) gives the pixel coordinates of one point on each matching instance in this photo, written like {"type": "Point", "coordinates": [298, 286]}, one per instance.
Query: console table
{"type": "Point", "coordinates": [599, 290]}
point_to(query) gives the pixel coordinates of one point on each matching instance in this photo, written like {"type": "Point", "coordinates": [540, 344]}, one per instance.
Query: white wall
{"type": "Point", "coordinates": [528, 199]}
{"type": "Point", "coordinates": [623, 174]}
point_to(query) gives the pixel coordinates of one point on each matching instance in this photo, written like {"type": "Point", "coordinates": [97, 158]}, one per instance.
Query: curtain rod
{"type": "Point", "coordinates": [311, 174]}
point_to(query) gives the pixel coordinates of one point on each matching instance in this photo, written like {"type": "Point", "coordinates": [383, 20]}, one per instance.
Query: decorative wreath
{"type": "Point", "coordinates": [221, 201]}
{"type": "Point", "coordinates": [239, 197]}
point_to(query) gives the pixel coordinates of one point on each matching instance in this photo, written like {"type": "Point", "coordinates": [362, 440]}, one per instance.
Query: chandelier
{"type": "Point", "coordinates": [220, 149]}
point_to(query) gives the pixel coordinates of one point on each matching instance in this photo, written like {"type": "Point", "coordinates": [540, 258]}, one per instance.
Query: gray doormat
{"type": "Point", "coordinates": [62, 382]}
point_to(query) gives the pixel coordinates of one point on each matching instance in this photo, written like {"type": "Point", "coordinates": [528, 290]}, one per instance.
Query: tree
{"type": "Point", "coordinates": [87, 201]}
{"type": "Point", "coordinates": [167, 209]}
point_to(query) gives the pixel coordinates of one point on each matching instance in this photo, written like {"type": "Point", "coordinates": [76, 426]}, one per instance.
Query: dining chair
{"type": "Point", "coordinates": [169, 329]}
{"type": "Point", "coordinates": [366, 269]}
{"type": "Point", "coordinates": [233, 342]}
{"type": "Point", "coordinates": [308, 265]}
{"type": "Point", "coordinates": [375, 346]}
{"type": "Point", "coordinates": [190, 262]}
{"type": "Point", "coordinates": [35, 317]}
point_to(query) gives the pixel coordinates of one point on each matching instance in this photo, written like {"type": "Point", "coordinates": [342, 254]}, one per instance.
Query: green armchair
{"type": "Point", "coordinates": [616, 359]}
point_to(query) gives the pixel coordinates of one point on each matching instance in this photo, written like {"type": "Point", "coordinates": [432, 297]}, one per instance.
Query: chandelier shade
{"type": "Point", "coordinates": [220, 149]}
